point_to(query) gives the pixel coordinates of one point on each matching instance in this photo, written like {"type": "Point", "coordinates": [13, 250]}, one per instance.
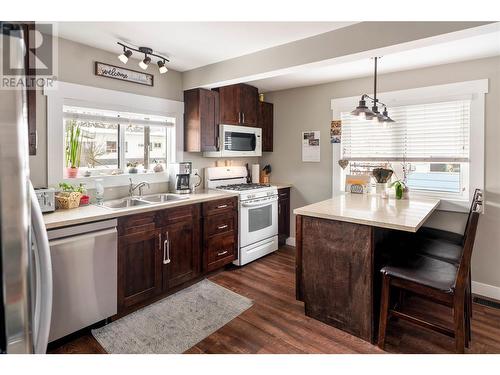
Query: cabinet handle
{"type": "Point", "coordinates": [222, 226]}
{"type": "Point", "coordinates": [279, 208]}
{"type": "Point", "coordinates": [243, 117]}
{"type": "Point", "coordinates": [222, 253]}
{"type": "Point", "coordinates": [159, 241]}
{"type": "Point", "coordinates": [166, 251]}
{"type": "Point", "coordinates": [222, 206]}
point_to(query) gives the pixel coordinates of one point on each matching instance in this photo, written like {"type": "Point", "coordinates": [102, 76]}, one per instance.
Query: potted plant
{"type": "Point", "coordinates": [69, 196]}
{"type": "Point", "coordinates": [73, 148]}
{"type": "Point", "coordinates": [399, 188]}
{"type": "Point", "coordinates": [132, 166]}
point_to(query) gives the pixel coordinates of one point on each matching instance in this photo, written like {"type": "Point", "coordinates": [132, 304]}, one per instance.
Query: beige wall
{"type": "Point", "coordinates": [308, 108]}
{"type": "Point", "coordinates": [76, 65]}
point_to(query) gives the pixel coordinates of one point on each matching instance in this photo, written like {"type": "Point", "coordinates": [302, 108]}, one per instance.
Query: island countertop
{"type": "Point", "coordinates": [370, 209]}
{"type": "Point", "coordinates": [86, 214]}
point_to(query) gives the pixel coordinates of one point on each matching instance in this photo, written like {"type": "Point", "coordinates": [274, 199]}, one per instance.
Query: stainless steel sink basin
{"type": "Point", "coordinates": [164, 197]}
{"type": "Point", "coordinates": [124, 203]}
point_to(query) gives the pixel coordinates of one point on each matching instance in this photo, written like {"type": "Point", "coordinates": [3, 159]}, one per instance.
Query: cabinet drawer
{"type": "Point", "coordinates": [176, 214]}
{"type": "Point", "coordinates": [220, 223]}
{"type": "Point", "coordinates": [221, 250]}
{"type": "Point", "coordinates": [137, 223]}
{"type": "Point", "coordinates": [219, 206]}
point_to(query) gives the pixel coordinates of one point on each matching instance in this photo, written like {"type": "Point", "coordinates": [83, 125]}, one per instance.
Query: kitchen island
{"type": "Point", "coordinates": [339, 243]}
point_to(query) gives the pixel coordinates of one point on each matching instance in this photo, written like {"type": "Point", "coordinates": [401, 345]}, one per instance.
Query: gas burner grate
{"type": "Point", "coordinates": [242, 187]}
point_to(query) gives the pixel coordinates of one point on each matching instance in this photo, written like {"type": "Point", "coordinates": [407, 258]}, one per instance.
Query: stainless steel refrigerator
{"type": "Point", "coordinates": [25, 266]}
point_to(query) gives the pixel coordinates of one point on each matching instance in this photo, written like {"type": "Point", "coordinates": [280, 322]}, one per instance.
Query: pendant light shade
{"type": "Point", "coordinates": [371, 114]}
{"type": "Point", "coordinates": [362, 109]}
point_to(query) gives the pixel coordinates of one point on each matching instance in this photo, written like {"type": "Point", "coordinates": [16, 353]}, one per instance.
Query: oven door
{"type": "Point", "coordinates": [258, 221]}
{"type": "Point", "coordinates": [240, 141]}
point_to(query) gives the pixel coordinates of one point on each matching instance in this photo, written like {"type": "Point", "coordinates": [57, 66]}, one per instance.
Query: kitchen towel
{"type": "Point", "coordinates": [255, 173]}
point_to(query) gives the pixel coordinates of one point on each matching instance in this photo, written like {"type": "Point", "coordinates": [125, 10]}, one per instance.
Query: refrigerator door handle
{"type": "Point", "coordinates": [43, 268]}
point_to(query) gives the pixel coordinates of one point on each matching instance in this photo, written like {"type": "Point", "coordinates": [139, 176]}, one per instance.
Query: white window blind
{"type": "Point", "coordinates": [434, 132]}
{"type": "Point", "coordinates": [110, 117]}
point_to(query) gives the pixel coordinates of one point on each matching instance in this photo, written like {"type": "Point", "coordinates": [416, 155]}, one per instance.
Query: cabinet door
{"type": "Point", "coordinates": [139, 268]}
{"type": "Point", "coordinates": [209, 120]}
{"type": "Point", "coordinates": [248, 104]}
{"type": "Point", "coordinates": [229, 104]}
{"type": "Point", "coordinates": [181, 252]}
{"type": "Point", "coordinates": [265, 122]}
{"type": "Point", "coordinates": [283, 215]}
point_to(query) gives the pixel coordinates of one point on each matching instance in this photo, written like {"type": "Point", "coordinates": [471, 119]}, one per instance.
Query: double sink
{"type": "Point", "coordinates": [120, 204]}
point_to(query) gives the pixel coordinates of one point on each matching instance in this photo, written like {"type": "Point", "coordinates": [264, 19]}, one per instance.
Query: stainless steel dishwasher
{"type": "Point", "coordinates": [84, 269]}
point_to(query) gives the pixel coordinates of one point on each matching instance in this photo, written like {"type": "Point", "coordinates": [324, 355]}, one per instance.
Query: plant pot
{"type": "Point", "coordinates": [132, 170]}
{"type": "Point", "coordinates": [72, 172]}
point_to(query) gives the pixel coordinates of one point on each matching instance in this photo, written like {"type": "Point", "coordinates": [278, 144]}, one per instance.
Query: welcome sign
{"type": "Point", "coordinates": [123, 74]}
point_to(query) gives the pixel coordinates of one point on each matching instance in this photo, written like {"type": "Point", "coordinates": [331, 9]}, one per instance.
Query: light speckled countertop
{"type": "Point", "coordinates": [281, 185]}
{"type": "Point", "coordinates": [87, 214]}
{"type": "Point", "coordinates": [370, 209]}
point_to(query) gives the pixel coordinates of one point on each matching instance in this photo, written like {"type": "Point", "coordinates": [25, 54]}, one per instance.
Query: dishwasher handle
{"type": "Point", "coordinates": [82, 236]}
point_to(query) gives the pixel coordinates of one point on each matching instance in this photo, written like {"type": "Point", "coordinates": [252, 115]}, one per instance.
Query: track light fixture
{"type": "Point", "coordinates": [370, 114]}
{"type": "Point", "coordinates": [125, 55]}
{"type": "Point", "coordinates": [127, 52]}
{"type": "Point", "coordinates": [144, 63]}
{"type": "Point", "coordinates": [161, 67]}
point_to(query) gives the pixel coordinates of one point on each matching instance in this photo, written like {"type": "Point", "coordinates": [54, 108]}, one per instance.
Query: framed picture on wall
{"type": "Point", "coordinates": [123, 74]}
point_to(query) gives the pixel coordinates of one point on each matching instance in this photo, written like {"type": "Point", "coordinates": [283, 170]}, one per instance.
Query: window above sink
{"type": "Point", "coordinates": [117, 129]}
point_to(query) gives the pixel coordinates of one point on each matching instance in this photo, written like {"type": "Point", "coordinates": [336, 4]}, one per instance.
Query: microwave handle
{"type": "Point", "coordinates": [254, 142]}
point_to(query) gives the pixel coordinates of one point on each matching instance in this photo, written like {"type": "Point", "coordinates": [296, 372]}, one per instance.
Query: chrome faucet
{"type": "Point", "coordinates": [132, 187]}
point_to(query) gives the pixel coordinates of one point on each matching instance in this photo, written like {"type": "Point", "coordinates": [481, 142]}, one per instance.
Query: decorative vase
{"type": "Point", "coordinates": [72, 172]}
{"type": "Point", "coordinates": [381, 189]}
{"type": "Point", "coordinates": [406, 193]}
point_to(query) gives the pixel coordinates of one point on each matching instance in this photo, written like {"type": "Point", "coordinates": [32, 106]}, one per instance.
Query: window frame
{"type": "Point", "coordinates": [64, 93]}
{"type": "Point", "coordinates": [475, 90]}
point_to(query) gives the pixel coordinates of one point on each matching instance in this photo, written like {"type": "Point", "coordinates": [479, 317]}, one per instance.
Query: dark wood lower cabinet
{"type": "Point", "coordinates": [283, 215]}
{"type": "Point", "coordinates": [139, 268]}
{"type": "Point", "coordinates": [181, 250]}
{"type": "Point", "coordinates": [161, 252]}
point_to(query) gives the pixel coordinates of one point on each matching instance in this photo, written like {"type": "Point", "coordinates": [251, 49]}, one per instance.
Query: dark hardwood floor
{"type": "Point", "coordinates": [276, 322]}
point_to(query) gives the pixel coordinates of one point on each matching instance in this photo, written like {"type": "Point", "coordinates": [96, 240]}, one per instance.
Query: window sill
{"type": "Point", "coordinates": [119, 180]}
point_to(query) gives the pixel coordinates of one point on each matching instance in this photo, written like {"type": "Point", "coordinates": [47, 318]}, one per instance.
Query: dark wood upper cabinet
{"type": "Point", "coordinates": [238, 104]}
{"type": "Point", "coordinates": [265, 122]}
{"type": "Point", "coordinates": [139, 268]}
{"type": "Point", "coordinates": [181, 261]}
{"type": "Point", "coordinates": [201, 120]}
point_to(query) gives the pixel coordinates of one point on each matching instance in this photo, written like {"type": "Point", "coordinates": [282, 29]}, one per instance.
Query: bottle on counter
{"type": "Point", "coordinates": [99, 191]}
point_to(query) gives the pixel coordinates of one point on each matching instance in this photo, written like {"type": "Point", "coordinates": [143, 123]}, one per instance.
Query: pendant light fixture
{"type": "Point", "coordinates": [144, 63]}
{"type": "Point", "coordinates": [370, 114]}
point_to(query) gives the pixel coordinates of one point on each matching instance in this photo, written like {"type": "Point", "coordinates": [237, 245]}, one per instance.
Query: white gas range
{"type": "Point", "coordinates": [258, 211]}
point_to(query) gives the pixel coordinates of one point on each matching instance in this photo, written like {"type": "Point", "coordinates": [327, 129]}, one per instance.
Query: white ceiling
{"type": "Point", "coordinates": [470, 48]}
{"type": "Point", "coordinates": [193, 44]}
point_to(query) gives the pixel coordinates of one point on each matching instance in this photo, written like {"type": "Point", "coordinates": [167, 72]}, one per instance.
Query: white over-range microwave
{"type": "Point", "coordinates": [237, 141]}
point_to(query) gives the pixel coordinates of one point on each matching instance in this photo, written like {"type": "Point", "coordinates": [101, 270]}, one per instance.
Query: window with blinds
{"type": "Point", "coordinates": [427, 145]}
{"type": "Point", "coordinates": [115, 143]}
{"type": "Point", "coordinates": [434, 132]}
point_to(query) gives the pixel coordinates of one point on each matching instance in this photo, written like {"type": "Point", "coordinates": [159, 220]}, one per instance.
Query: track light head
{"type": "Point", "coordinates": [161, 67]}
{"type": "Point", "coordinates": [144, 63]}
{"type": "Point", "coordinates": [125, 55]}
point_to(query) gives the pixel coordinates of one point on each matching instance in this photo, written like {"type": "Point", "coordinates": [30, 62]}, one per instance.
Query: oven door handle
{"type": "Point", "coordinates": [260, 204]}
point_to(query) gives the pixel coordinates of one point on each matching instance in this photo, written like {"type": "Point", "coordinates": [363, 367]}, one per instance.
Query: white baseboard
{"type": "Point", "coordinates": [290, 241]}
{"type": "Point", "coordinates": [486, 290]}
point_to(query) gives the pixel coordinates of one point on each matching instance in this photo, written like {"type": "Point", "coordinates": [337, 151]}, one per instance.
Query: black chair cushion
{"type": "Point", "coordinates": [424, 270]}
{"type": "Point", "coordinates": [439, 249]}
{"type": "Point", "coordinates": [438, 234]}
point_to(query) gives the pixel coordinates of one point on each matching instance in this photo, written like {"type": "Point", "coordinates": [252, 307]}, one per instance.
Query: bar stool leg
{"type": "Point", "coordinates": [384, 310]}
{"type": "Point", "coordinates": [459, 323]}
